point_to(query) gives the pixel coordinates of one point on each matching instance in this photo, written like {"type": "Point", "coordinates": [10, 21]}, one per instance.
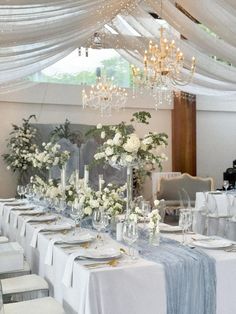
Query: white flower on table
{"type": "Point", "coordinates": [99, 126]}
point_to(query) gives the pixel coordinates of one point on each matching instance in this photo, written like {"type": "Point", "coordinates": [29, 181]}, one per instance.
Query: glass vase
{"type": "Point", "coordinates": [129, 191]}
{"type": "Point", "coordinates": [154, 238]}
{"type": "Point", "coordinates": [63, 179]}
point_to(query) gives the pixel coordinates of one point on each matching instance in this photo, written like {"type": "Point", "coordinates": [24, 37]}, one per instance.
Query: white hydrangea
{"type": "Point", "coordinates": [133, 143]}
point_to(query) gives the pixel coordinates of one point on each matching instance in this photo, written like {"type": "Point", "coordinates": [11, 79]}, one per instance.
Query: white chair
{"type": "Point", "coordinates": [23, 288]}
{"type": "Point", "coordinates": [3, 239]}
{"type": "Point", "coordinates": [37, 306]}
{"type": "Point", "coordinates": [22, 272]}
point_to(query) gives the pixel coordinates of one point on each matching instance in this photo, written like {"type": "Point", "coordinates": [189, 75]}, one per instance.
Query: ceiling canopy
{"type": "Point", "coordinates": [36, 34]}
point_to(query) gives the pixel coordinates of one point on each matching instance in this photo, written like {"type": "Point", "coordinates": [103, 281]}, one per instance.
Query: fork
{"type": "Point", "coordinates": [112, 263]}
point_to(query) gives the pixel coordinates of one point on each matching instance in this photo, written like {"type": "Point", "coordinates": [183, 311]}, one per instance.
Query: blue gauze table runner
{"type": "Point", "coordinates": [190, 276]}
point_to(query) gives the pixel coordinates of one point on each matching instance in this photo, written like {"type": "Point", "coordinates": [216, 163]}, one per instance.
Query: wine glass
{"type": "Point", "coordinates": [130, 234]}
{"type": "Point", "coordinates": [185, 222]}
{"type": "Point", "coordinates": [146, 208]}
{"type": "Point", "coordinates": [19, 190]}
{"type": "Point", "coordinates": [99, 221]}
{"type": "Point", "coordinates": [29, 192]}
{"type": "Point", "coordinates": [77, 212]}
{"type": "Point", "coordinates": [226, 184]}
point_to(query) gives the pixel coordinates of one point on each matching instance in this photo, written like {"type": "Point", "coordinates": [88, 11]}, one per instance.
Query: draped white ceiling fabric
{"type": "Point", "coordinates": [36, 34]}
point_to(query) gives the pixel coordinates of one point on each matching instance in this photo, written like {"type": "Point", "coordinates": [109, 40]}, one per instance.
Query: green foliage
{"type": "Point", "coordinates": [20, 145]}
{"type": "Point", "coordinates": [64, 131]}
{"type": "Point", "coordinates": [141, 117]}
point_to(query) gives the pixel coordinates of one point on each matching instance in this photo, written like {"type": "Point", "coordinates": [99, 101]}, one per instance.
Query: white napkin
{"type": "Point", "coordinates": [49, 254]}
{"type": "Point", "coordinates": [67, 277]}
{"type": "Point", "coordinates": [32, 213]}
{"type": "Point", "coordinates": [3, 200]}
{"type": "Point", "coordinates": [34, 239]}
{"type": "Point", "coordinates": [23, 227]}
{"type": "Point", "coordinates": [7, 217]}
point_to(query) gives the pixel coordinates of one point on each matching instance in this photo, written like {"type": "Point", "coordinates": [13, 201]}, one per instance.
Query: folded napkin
{"type": "Point", "coordinates": [31, 213]}
{"type": "Point", "coordinates": [20, 207]}
{"type": "Point", "coordinates": [3, 200]}
{"type": "Point", "coordinates": [49, 254]}
{"type": "Point", "coordinates": [55, 228]}
{"type": "Point", "coordinates": [68, 273]}
{"type": "Point", "coordinates": [34, 239]}
{"type": "Point", "coordinates": [23, 227]}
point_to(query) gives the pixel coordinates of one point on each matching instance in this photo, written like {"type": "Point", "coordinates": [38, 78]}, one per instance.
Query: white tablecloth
{"type": "Point", "coordinates": [132, 288]}
{"type": "Point", "coordinates": [224, 227]}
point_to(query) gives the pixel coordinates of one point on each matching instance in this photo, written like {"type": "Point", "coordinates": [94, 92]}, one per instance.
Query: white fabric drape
{"type": "Point", "coordinates": [33, 36]}
{"type": "Point", "coordinates": [36, 34]}
{"type": "Point", "coordinates": [212, 13]}
{"type": "Point", "coordinates": [205, 42]}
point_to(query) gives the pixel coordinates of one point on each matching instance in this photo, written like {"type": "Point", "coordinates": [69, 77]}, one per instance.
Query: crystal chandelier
{"type": "Point", "coordinates": [163, 69]}
{"type": "Point", "coordinates": [104, 96]}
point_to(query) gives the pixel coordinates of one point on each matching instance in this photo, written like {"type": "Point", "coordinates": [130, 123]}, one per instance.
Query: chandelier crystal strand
{"type": "Point", "coordinates": [105, 96]}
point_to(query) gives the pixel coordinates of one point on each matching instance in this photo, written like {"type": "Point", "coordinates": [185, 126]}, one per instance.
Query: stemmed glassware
{"type": "Point", "coordinates": [185, 222]}
{"type": "Point", "coordinates": [77, 212]}
{"type": "Point", "coordinates": [146, 208]}
{"type": "Point", "coordinates": [130, 234]}
{"type": "Point", "coordinates": [20, 190]}
{"type": "Point", "coordinates": [99, 221]}
{"type": "Point", "coordinates": [225, 184]}
{"type": "Point", "coordinates": [29, 192]}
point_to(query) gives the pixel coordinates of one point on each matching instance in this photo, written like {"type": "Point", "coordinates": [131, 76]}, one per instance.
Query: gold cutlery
{"type": "Point", "coordinates": [112, 263]}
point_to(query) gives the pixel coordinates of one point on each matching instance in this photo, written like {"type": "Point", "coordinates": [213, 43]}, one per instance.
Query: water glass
{"type": "Point", "coordinates": [99, 221]}
{"type": "Point", "coordinates": [146, 208]}
{"type": "Point", "coordinates": [20, 190]}
{"type": "Point", "coordinates": [185, 222]}
{"type": "Point", "coordinates": [77, 213]}
{"type": "Point", "coordinates": [130, 234]}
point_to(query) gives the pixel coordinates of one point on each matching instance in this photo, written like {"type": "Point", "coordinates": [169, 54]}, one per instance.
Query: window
{"type": "Point", "coordinates": [75, 69]}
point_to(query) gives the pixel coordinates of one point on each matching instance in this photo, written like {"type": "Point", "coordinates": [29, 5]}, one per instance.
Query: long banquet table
{"type": "Point", "coordinates": [130, 288]}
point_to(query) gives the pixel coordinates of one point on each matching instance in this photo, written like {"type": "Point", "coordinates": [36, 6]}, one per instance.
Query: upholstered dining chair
{"type": "Point", "coordinates": [46, 305]}
{"type": "Point", "coordinates": [171, 188]}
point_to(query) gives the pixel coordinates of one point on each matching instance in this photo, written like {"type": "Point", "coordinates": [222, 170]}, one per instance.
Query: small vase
{"type": "Point", "coordinates": [154, 238]}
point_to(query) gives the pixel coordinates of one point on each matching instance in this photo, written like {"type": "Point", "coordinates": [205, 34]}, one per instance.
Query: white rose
{"type": "Point", "coordinates": [109, 151]}
{"type": "Point", "coordinates": [129, 158]}
{"type": "Point", "coordinates": [132, 144]}
{"type": "Point", "coordinates": [156, 202]}
{"type": "Point", "coordinates": [110, 142]}
{"type": "Point", "coordinates": [99, 126]}
{"type": "Point", "coordinates": [114, 158]}
{"type": "Point", "coordinates": [88, 211]}
{"type": "Point", "coordinates": [70, 193]}
{"type": "Point", "coordinates": [103, 134]}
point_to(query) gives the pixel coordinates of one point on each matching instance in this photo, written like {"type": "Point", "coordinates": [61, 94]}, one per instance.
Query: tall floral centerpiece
{"type": "Point", "coordinates": [21, 146]}
{"type": "Point", "coordinates": [122, 147]}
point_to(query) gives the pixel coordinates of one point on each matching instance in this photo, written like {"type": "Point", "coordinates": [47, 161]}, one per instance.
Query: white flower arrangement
{"type": "Point", "coordinates": [49, 157]}
{"type": "Point", "coordinates": [21, 145]}
{"type": "Point", "coordinates": [154, 219]}
{"type": "Point", "coordinates": [122, 147]}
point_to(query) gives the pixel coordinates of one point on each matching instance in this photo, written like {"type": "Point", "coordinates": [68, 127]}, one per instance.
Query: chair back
{"type": "Point", "coordinates": [169, 188]}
